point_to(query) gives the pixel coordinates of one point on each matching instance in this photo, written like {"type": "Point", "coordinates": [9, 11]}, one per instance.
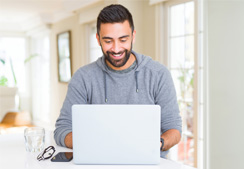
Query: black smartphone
{"type": "Point", "coordinates": [62, 157]}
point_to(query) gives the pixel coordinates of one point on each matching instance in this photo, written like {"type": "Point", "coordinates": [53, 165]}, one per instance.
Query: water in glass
{"type": "Point", "coordinates": [34, 139]}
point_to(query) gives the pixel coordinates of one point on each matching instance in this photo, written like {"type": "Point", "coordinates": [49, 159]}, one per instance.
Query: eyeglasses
{"type": "Point", "coordinates": [46, 154]}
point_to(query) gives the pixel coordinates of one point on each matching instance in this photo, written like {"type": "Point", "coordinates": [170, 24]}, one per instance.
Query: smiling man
{"type": "Point", "coordinates": [121, 76]}
{"type": "Point", "coordinates": [116, 41]}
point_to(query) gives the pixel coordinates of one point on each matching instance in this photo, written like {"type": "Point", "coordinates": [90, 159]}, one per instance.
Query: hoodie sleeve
{"type": "Point", "coordinates": [76, 94]}
{"type": "Point", "coordinates": [166, 98]}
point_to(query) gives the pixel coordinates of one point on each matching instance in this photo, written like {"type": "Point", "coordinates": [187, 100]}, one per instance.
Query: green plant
{"type": "Point", "coordinates": [4, 79]}
{"type": "Point", "coordinates": [186, 79]}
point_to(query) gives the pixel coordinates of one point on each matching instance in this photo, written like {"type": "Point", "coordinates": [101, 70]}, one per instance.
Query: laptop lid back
{"type": "Point", "coordinates": [116, 134]}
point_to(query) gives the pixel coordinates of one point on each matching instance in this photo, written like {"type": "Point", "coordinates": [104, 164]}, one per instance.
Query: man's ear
{"type": "Point", "coordinates": [98, 39]}
{"type": "Point", "coordinates": [134, 37]}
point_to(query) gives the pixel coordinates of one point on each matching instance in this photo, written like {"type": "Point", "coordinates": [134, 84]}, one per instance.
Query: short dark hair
{"type": "Point", "coordinates": [114, 13]}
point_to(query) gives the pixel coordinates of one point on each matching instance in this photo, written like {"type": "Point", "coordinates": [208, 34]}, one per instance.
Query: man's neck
{"type": "Point", "coordinates": [129, 62]}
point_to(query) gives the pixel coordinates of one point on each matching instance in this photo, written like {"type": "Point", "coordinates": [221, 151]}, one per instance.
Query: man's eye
{"type": "Point", "coordinates": [107, 41]}
{"type": "Point", "coordinates": [123, 40]}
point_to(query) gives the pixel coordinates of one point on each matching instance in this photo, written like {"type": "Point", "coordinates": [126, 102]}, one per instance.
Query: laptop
{"type": "Point", "coordinates": [116, 134]}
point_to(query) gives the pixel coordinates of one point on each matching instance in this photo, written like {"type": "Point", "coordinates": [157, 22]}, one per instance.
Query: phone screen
{"type": "Point", "coordinates": [63, 157]}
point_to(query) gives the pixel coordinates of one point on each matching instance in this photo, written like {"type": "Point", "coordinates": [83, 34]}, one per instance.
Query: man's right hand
{"type": "Point", "coordinates": [68, 140]}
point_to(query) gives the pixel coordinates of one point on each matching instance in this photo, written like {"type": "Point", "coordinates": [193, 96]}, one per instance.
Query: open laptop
{"type": "Point", "coordinates": [116, 134]}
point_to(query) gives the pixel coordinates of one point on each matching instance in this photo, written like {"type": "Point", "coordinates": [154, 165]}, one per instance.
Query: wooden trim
{"type": "Point", "coordinates": [159, 47]}
{"type": "Point", "coordinates": [166, 34]}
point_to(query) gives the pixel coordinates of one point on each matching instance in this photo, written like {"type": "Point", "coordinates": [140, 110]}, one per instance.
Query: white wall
{"type": "Point", "coordinates": [226, 83]}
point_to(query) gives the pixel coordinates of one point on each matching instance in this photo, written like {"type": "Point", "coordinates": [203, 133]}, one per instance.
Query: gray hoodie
{"type": "Point", "coordinates": [149, 83]}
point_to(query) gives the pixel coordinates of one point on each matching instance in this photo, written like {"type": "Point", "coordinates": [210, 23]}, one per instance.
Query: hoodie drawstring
{"type": "Point", "coordinates": [105, 86]}
{"type": "Point", "coordinates": [137, 90]}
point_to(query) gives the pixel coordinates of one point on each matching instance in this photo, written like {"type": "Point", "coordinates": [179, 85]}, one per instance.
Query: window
{"type": "Point", "coordinates": [181, 56]}
{"type": "Point", "coordinates": [94, 50]}
{"type": "Point", "coordinates": [13, 66]}
{"type": "Point", "coordinates": [181, 63]}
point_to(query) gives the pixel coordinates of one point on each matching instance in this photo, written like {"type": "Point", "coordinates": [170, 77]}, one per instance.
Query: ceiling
{"type": "Point", "coordinates": [23, 15]}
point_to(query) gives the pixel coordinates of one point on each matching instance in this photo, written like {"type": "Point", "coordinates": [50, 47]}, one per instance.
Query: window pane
{"type": "Point", "coordinates": [175, 76]}
{"type": "Point", "coordinates": [95, 54]}
{"type": "Point", "coordinates": [188, 75]}
{"type": "Point", "coordinates": [182, 52]}
{"type": "Point", "coordinates": [189, 52]}
{"type": "Point", "coordinates": [93, 40]}
{"type": "Point", "coordinates": [177, 20]}
{"type": "Point", "coordinates": [186, 150]}
{"type": "Point", "coordinates": [189, 18]}
{"type": "Point", "coordinates": [94, 49]}
{"type": "Point", "coordinates": [177, 52]}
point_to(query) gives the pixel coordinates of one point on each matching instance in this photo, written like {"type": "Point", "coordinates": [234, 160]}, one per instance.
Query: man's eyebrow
{"type": "Point", "coordinates": [125, 36]}
{"type": "Point", "coordinates": [106, 37]}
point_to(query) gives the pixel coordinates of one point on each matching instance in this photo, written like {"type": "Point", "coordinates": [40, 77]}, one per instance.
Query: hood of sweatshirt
{"type": "Point", "coordinates": [141, 61]}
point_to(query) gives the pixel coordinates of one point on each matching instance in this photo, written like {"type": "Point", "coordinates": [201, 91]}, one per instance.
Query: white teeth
{"type": "Point", "coordinates": [117, 55]}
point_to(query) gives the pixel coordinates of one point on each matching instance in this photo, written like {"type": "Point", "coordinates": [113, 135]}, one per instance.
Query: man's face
{"type": "Point", "coordinates": [116, 42]}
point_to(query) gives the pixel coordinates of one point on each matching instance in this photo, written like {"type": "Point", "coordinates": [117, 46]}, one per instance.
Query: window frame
{"type": "Point", "coordinates": [162, 54]}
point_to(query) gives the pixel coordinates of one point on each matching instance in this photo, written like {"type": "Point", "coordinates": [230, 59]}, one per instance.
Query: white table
{"type": "Point", "coordinates": [14, 156]}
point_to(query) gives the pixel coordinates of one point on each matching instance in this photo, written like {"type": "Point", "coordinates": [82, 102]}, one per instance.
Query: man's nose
{"type": "Point", "coordinates": [116, 47]}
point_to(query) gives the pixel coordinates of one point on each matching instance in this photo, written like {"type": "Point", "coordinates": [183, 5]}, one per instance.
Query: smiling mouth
{"type": "Point", "coordinates": [117, 56]}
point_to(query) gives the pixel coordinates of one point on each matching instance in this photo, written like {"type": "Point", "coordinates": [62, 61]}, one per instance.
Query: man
{"type": "Point", "coordinates": [121, 76]}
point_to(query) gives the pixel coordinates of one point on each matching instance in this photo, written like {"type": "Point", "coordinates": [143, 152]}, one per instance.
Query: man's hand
{"type": "Point", "coordinates": [171, 138]}
{"type": "Point", "coordinates": [68, 140]}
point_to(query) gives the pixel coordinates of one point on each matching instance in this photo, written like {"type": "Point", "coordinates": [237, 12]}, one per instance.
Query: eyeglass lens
{"type": "Point", "coordinates": [46, 154]}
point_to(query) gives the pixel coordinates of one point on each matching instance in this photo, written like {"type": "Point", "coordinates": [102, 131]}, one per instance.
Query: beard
{"type": "Point", "coordinates": [120, 62]}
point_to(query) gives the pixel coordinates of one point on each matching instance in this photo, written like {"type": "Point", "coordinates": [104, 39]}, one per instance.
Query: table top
{"type": "Point", "coordinates": [13, 155]}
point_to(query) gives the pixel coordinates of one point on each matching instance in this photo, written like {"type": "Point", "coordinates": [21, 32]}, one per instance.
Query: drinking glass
{"type": "Point", "coordinates": [34, 139]}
